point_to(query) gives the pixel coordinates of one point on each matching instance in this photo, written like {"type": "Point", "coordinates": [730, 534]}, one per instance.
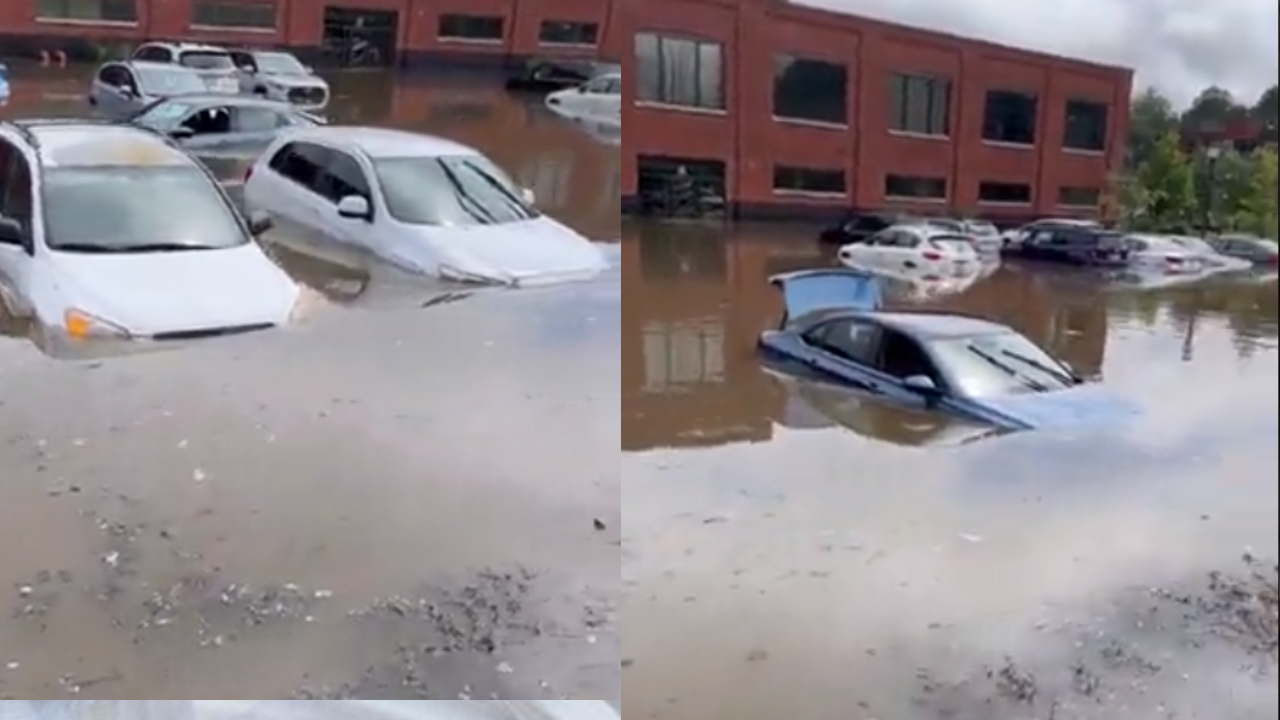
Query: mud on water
{"type": "Point", "coordinates": [411, 494]}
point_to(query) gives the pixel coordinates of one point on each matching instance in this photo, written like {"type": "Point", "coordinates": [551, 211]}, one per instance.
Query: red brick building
{"type": "Point", "coordinates": [788, 110]}
{"type": "Point", "coordinates": [496, 31]}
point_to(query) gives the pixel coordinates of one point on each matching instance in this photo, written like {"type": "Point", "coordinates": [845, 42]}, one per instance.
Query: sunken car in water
{"type": "Point", "coordinates": [211, 63]}
{"type": "Point", "coordinates": [221, 123]}
{"type": "Point", "coordinates": [280, 76]}
{"type": "Point", "coordinates": [113, 232]}
{"type": "Point", "coordinates": [969, 367]}
{"type": "Point", "coordinates": [120, 90]}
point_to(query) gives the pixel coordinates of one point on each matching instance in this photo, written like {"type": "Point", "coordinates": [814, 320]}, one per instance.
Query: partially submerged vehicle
{"type": "Point", "coordinates": [969, 367]}
{"type": "Point", "coordinates": [1254, 250]}
{"type": "Point", "coordinates": [597, 99]}
{"type": "Point", "coordinates": [211, 63]}
{"type": "Point", "coordinates": [280, 76]}
{"type": "Point", "coordinates": [111, 231]}
{"type": "Point", "coordinates": [543, 74]}
{"type": "Point", "coordinates": [425, 204]}
{"type": "Point", "coordinates": [120, 90]}
{"type": "Point", "coordinates": [1180, 255]}
{"type": "Point", "coordinates": [220, 123]}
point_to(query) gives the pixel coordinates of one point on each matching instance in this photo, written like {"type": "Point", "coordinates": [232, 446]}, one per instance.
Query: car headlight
{"type": "Point", "coordinates": [81, 325]}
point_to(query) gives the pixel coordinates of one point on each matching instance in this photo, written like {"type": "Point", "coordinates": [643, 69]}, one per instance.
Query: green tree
{"type": "Point", "coordinates": [1267, 109]}
{"type": "Point", "coordinates": [1223, 187]}
{"type": "Point", "coordinates": [1258, 212]}
{"type": "Point", "coordinates": [1212, 109]}
{"type": "Point", "coordinates": [1167, 182]}
{"type": "Point", "coordinates": [1151, 117]}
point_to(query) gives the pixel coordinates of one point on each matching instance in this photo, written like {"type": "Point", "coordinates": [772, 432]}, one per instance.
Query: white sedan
{"type": "Point", "coordinates": [1160, 254]}
{"type": "Point", "coordinates": [598, 99]}
{"type": "Point", "coordinates": [112, 231]}
{"type": "Point", "coordinates": [425, 204]}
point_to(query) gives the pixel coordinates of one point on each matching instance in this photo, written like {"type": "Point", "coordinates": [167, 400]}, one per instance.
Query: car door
{"type": "Point", "coordinates": [211, 128]}
{"type": "Point", "coordinates": [16, 205]}
{"type": "Point", "coordinates": [254, 127]}
{"type": "Point", "coordinates": [293, 187]}
{"type": "Point", "coordinates": [345, 176]}
{"type": "Point", "coordinates": [108, 92]}
{"type": "Point", "coordinates": [131, 98]}
{"type": "Point", "coordinates": [847, 348]}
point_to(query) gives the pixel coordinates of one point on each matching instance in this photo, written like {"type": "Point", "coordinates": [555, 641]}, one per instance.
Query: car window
{"type": "Point", "coordinates": [206, 60]}
{"type": "Point", "coordinates": [108, 75]}
{"type": "Point", "coordinates": [153, 54]}
{"type": "Point", "coordinates": [209, 121]}
{"type": "Point", "coordinates": [343, 177]}
{"type": "Point", "coordinates": [888, 238]}
{"type": "Point", "coordinates": [164, 115]}
{"type": "Point", "coordinates": [303, 163]}
{"type": "Point", "coordinates": [983, 229]}
{"type": "Point", "coordinates": [902, 357]}
{"type": "Point", "coordinates": [161, 81]}
{"type": "Point", "coordinates": [997, 365]}
{"type": "Point", "coordinates": [115, 208]}
{"type": "Point", "coordinates": [244, 60]}
{"type": "Point", "coordinates": [15, 186]}
{"type": "Point", "coordinates": [258, 120]}
{"type": "Point", "coordinates": [280, 64]}
{"type": "Point", "coordinates": [850, 339]}
{"type": "Point", "coordinates": [450, 191]}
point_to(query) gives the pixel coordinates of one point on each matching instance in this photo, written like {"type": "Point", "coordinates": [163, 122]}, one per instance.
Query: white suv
{"type": "Point", "coordinates": [425, 204]}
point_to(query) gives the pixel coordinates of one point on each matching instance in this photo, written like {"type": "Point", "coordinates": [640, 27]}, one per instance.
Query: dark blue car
{"type": "Point", "coordinates": [1073, 244]}
{"type": "Point", "coordinates": [966, 366]}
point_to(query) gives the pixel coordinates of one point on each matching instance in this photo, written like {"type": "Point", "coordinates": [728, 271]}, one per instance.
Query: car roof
{"type": "Point", "coordinates": [383, 142]}
{"type": "Point", "coordinates": [223, 99]}
{"type": "Point", "coordinates": [186, 46]}
{"type": "Point", "coordinates": [938, 325]}
{"type": "Point", "coordinates": [154, 65]}
{"type": "Point", "coordinates": [88, 144]}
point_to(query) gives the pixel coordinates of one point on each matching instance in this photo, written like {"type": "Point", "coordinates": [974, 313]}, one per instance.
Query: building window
{"type": "Point", "coordinates": [1086, 126]}
{"type": "Point", "coordinates": [1001, 193]}
{"type": "Point", "coordinates": [1079, 197]}
{"type": "Point", "coordinates": [919, 104]}
{"type": "Point", "coordinates": [471, 28]}
{"type": "Point", "coordinates": [232, 14]}
{"type": "Point", "coordinates": [810, 90]}
{"type": "Point", "coordinates": [1010, 117]}
{"type": "Point", "coordinates": [679, 72]}
{"type": "Point", "coordinates": [809, 181]}
{"type": "Point", "coordinates": [567, 32]}
{"type": "Point", "coordinates": [106, 11]}
{"type": "Point", "coordinates": [911, 187]}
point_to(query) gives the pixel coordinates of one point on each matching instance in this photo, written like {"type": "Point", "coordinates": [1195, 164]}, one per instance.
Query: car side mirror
{"type": "Point", "coordinates": [260, 223]}
{"type": "Point", "coordinates": [354, 207]}
{"type": "Point", "coordinates": [182, 133]}
{"type": "Point", "coordinates": [11, 233]}
{"type": "Point", "coordinates": [529, 196]}
{"type": "Point", "coordinates": [922, 384]}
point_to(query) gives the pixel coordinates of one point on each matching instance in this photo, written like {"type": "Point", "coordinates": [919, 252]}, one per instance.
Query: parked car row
{"type": "Point", "coordinates": [161, 70]}
{"type": "Point", "coordinates": [114, 230]}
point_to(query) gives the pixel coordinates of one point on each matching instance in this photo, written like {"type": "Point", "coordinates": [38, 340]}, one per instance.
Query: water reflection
{"type": "Point", "coordinates": [696, 304]}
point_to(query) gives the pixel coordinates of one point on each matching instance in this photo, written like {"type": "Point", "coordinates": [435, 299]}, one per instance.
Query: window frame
{"type": "Point", "coordinates": [719, 105]}
{"type": "Point", "coordinates": [1065, 202]}
{"type": "Point", "coordinates": [892, 196]}
{"type": "Point", "coordinates": [222, 6]}
{"type": "Point", "coordinates": [1006, 185]}
{"type": "Point", "coordinates": [998, 95]}
{"type": "Point", "coordinates": [791, 59]}
{"type": "Point", "coordinates": [595, 33]}
{"type": "Point", "coordinates": [899, 104]}
{"type": "Point", "coordinates": [780, 171]}
{"type": "Point", "coordinates": [448, 17]}
{"type": "Point", "coordinates": [1102, 131]}
{"type": "Point", "coordinates": [64, 17]}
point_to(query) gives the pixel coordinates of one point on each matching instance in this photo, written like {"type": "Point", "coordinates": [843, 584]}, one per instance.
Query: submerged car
{"type": "Point", "coordinates": [1254, 250]}
{"type": "Point", "coordinates": [111, 231]}
{"type": "Point", "coordinates": [425, 204]}
{"type": "Point", "coordinates": [1075, 245]}
{"type": "Point", "coordinates": [912, 249]}
{"type": "Point", "coordinates": [965, 366]}
{"type": "Point", "coordinates": [221, 123]}
{"type": "Point", "coordinates": [211, 63]}
{"type": "Point", "coordinates": [121, 90]}
{"type": "Point", "coordinates": [1180, 255]}
{"type": "Point", "coordinates": [597, 99]}
{"type": "Point", "coordinates": [280, 76]}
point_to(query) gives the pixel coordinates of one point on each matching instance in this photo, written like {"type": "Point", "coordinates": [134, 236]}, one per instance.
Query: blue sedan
{"type": "Point", "coordinates": [969, 367]}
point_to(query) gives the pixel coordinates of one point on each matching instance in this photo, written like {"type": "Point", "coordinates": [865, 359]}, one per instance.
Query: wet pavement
{"type": "Point", "coordinates": [411, 494]}
{"type": "Point", "coordinates": [795, 551]}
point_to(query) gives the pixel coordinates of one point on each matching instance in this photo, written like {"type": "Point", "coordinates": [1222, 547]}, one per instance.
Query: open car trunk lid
{"type": "Point", "coordinates": [809, 291]}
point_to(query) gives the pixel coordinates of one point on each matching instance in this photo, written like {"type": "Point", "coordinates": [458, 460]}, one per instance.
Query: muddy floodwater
{"type": "Point", "coordinates": [794, 552]}
{"type": "Point", "coordinates": [399, 497]}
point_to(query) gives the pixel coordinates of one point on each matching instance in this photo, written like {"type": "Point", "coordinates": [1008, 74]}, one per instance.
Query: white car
{"type": "Point", "coordinates": [425, 204]}
{"type": "Point", "coordinates": [1208, 255]}
{"type": "Point", "coordinates": [1163, 255]}
{"type": "Point", "coordinates": [282, 77]}
{"type": "Point", "coordinates": [915, 253]}
{"type": "Point", "coordinates": [597, 99]}
{"type": "Point", "coordinates": [111, 231]}
{"type": "Point", "coordinates": [212, 63]}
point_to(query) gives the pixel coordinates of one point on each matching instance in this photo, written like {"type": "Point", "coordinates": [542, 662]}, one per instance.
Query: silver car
{"type": "Point", "coordinates": [121, 90]}
{"type": "Point", "coordinates": [212, 63]}
{"type": "Point", "coordinates": [281, 77]}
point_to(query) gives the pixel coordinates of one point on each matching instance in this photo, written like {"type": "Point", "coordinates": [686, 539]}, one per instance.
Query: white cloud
{"type": "Point", "coordinates": [1179, 46]}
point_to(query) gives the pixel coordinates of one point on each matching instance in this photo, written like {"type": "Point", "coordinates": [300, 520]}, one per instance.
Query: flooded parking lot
{"type": "Point", "coordinates": [794, 551]}
{"type": "Point", "coordinates": [400, 497]}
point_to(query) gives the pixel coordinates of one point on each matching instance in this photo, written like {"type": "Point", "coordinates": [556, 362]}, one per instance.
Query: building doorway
{"type": "Point", "coordinates": [360, 37]}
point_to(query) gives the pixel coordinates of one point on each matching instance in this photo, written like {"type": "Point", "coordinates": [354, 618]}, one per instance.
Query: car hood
{"type": "Point", "coordinates": [295, 81]}
{"type": "Point", "coordinates": [150, 294]}
{"type": "Point", "coordinates": [1083, 406]}
{"type": "Point", "coordinates": [534, 252]}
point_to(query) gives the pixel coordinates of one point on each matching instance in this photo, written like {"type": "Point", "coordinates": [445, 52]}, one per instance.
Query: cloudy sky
{"type": "Point", "coordinates": [1179, 46]}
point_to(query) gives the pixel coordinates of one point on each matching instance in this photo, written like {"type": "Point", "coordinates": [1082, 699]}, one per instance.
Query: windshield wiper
{"type": "Point", "coordinates": [1005, 367]}
{"type": "Point", "coordinates": [478, 210]}
{"type": "Point", "coordinates": [1061, 376]}
{"type": "Point", "coordinates": [91, 248]}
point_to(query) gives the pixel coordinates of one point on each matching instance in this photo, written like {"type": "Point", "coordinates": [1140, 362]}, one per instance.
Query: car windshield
{"type": "Point", "coordinates": [169, 81]}
{"type": "Point", "coordinates": [164, 115]}
{"type": "Point", "coordinates": [280, 64]}
{"type": "Point", "coordinates": [983, 229]}
{"type": "Point", "coordinates": [206, 60]}
{"type": "Point", "coordinates": [952, 244]}
{"type": "Point", "coordinates": [998, 365]}
{"type": "Point", "coordinates": [450, 191]}
{"type": "Point", "coordinates": [114, 209]}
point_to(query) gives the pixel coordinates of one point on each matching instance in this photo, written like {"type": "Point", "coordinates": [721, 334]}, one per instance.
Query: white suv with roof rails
{"type": "Point", "coordinates": [426, 204]}
{"type": "Point", "coordinates": [112, 231]}
{"type": "Point", "coordinates": [213, 64]}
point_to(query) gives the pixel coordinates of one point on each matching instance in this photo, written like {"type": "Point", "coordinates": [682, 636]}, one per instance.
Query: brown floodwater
{"type": "Point", "coordinates": [795, 551]}
{"type": "Point", "coordinates": [397, 498]}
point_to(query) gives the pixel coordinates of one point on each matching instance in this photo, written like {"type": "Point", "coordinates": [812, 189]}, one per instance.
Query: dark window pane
{"type": "Point", "coordinates": [471, 27]}
{"type": "Point", "coordinates": [567, 32]}
{"type": "Point", "coordinates": [1010, 117]}
{"type": "Point", "coordinates": [1004, 193]}
{"type": "Point", "coordinates": [1079, 197]}
{"type": "Point", "coordinates": [231, 14]}
{"type": "Point", "coordinates": [814, 181]}
{"type": "Point", "coordinates": [1086, 126]}
{"type": "Point", "coordinates": [812, 90]}
{"type": "Point", "coordinates": [121, 11]}
{"type": "Point", "coordinates": [919, 104]}
{"type": "Point", "coordinates": [679, 72]}
{"type": "Point", "coordinates": [915, 188]}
